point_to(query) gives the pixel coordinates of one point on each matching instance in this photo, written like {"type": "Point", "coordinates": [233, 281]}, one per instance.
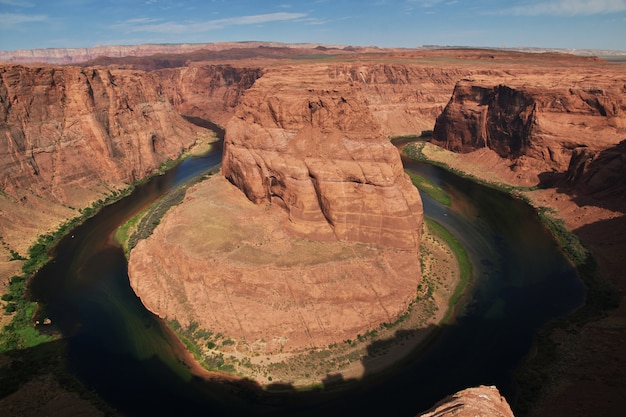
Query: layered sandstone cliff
{"type": "Point", "coordinates": [599, 173]}
{"type": "Point", "coordinates": [316, 150]}
{"type": "Point", "coordinates": [208, 91]}
{"type": "Point", "coordinates": [532, 122]}
{"type": "Point", "coordinates": [480, 401]}
{"type": "Point", "coordinates": [71, 135]}
{"type": "Point", "coordinates": [318, 244]}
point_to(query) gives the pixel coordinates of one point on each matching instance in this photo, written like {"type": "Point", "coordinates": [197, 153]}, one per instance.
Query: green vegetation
{"type": "Point", "coordinates": [19, 333]}
{"type": "Point", "coordinates": [601, 295]}
{"type": "Point", "coordinates": [142, 225]}
{"type": "Point", "coordinates": [414, 150]}
{"type": "Point", "coordinates": [465, 265]}
{"type": "Point", "coordinates": [426, 186]}
{"type": "Point", "coordinates": [219, 353]}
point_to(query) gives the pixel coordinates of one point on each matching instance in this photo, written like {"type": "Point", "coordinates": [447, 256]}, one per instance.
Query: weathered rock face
{"type": "Point", "coordinates": [480, 401]}
{"type": "Point", "coordinates": [208, 91]}
{"type": "Point", "coordinates": [601, 173]}
{"type": "Point", "coordinates": [499, 118]}
{"type": "Point", "coordinates": [64, 126]}
{"type": "Point", "coordinates": [69, 135]}
{"type": "Point", "coordinates": [306, 148]}
{"type": "Point", "coordinates": [232, 267]}
{"type": "Point", "coordinates": [536, 126]}
{"type": "Point", "coordinates": [317, 151]}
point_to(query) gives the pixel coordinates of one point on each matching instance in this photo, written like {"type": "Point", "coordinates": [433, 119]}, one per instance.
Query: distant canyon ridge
{"type": "Point", "coordinates": [307, 133]}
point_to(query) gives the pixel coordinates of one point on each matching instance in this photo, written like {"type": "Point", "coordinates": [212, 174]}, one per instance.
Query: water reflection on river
{"type": "Point", "coordinates": [126, 355]}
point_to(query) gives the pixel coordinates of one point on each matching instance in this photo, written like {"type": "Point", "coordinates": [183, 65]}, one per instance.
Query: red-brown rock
{"type": "Point", "coordinates": [316, 150]}
{"type": "Point", "coordinates": [480, 401]}
{"type": "Point", "coordinates": [535, 126]}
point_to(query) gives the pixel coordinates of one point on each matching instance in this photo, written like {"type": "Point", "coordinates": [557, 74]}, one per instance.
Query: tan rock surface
{"type": "Point", "coordinates": [401, 98]}
{"type": "Point", "coordinates": [237, 271]}
{"type": "Point", "coordinates": [309, 144]}
{"type": "Point", "coordinates": [480, 401]}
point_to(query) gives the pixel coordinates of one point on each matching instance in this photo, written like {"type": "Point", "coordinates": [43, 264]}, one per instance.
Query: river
{"type": "Point", "coordinates": [128, 356]}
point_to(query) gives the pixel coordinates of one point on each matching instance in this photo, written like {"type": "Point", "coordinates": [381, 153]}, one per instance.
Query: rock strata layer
{"type": "Point", "coordinates": [537, 127]}
{"type": "Point", "coordinates": [230, 266]}
{"type": "Point", "coordinates": [71, 135]}
{"type": "Point", "coordinates": [480, 401]}
{"type": "Point", "coordinates": [316, 150]}
{"type": "Point", "coordinates": [320, 239]}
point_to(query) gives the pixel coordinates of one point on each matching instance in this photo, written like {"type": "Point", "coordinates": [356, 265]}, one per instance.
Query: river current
{"type": "Point", "coordinates": [118, 349]}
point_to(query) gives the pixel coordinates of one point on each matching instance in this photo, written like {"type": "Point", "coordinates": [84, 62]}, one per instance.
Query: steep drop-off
{"type": "Point", "coordinates": [208, 91]}
{"type": "Point", "coordinates": [71, 135]}
{"type": "Point", "coordinates": [480, 401]}
{"type": "Point", "coordinates": [317, 150]}
{"type": "Point", "coordinates": [324, 248]}
{"type": "Point", "coordinates": [532, 122]}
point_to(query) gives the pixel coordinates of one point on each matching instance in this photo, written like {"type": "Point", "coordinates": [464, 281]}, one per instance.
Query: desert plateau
{"type": "Point", "coordinates": [318, 251]}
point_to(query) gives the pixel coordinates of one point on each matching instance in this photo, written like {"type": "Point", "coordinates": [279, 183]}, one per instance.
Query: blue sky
{"type": "Point", "coordinates": [579, 24]}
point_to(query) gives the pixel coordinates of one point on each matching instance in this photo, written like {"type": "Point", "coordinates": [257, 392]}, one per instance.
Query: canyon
{"type": "Point", "coordinates": [306, 143]}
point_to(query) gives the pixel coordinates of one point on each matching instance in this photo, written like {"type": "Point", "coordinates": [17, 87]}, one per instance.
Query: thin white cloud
{"type": "Point", "coordinates": [17, 3]}
{"type": "Point", "coordinates": [10, 20]}
{"type": "Point", "coordinates": [568, 8]}
{"type": "Point", "coordinates": [140, 20]}
{"type": "Point", "coordinates": [426, 3]}
{"type": "Point", "coordinates": [150, 25]}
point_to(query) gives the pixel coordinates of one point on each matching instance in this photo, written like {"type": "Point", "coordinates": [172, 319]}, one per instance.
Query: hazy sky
{"type": "Point", "coordinates": [580, 24]}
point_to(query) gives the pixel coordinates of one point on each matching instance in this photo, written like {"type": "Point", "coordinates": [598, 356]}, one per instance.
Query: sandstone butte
{"type": "Point", "coordinates": [521, 119]}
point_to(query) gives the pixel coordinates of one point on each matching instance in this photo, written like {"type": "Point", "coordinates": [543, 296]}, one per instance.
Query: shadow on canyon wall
{"type": "Point", "coordinates": [593, 178]}
{"type": "Point", "coordinates": [598, 178]}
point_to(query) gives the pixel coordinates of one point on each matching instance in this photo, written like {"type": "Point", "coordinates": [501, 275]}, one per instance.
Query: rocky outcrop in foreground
{"type": "Point", "coordinates": [480, 401]}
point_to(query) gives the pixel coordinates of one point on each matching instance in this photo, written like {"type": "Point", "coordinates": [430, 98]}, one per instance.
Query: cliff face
{"type": "Point", "coordinates": [599, 173]}
{"type": "Point", "coordinates": [306, 148]}
{"type": "Point", "coordinates": [208, 91]}
{"type": "Point", "coordinates": [67, 126]}
{"type": "Point", "coordinates": [499, 118]}
{"type": "Point", "coordinates": [403, 99]}
{"type": "Point", "coordinates": [311, 145]}
{"type": "Point", "coordinates": [70, 135]}
{"type": "Point", "coordinates": [536, 127]}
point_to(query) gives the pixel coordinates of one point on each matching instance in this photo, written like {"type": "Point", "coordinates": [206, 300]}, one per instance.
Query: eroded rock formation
{"type": "Point", "coordinates": [232, 267]}
{"type": "Point", "coordinates": [480, 401]}
{"type": "Point", "coordinates": [535, 126]}
{"type": "Point", "coordinates": [70, 135]}
{"type": "Point", "coordinates": [599, 173]}
{"type": "Point", "coordinates": [208, 91]}
{"type": "Point", "coordinates": [317, 151]}
{"type": "Point", "coordinates": [325, 245]}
